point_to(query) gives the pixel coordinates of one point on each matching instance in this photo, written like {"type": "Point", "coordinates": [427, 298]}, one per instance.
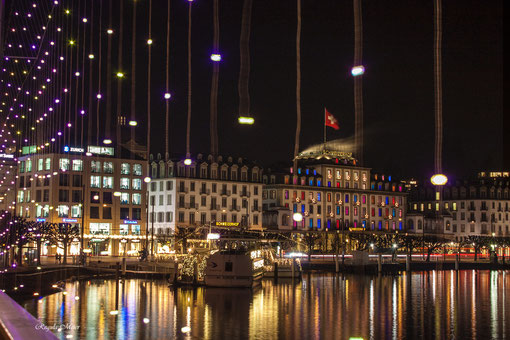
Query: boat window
{"type": "Point", "coordinates": [228, 266]}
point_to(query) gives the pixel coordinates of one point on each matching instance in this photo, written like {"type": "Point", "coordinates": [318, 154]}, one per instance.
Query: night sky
{"type": "Point", "coordinates": [397, 85]}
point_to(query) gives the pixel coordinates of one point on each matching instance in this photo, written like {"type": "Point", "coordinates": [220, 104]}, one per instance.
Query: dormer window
{"type": "Point", "coordinates": [244, 175]}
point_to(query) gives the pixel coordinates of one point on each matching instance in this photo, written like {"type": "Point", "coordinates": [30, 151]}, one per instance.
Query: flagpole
{"type": "Point", "coordinates": [324, 128]}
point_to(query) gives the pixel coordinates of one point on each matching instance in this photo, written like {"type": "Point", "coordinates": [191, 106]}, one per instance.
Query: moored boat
{"type": "Point", "coordinates": [234, 268]}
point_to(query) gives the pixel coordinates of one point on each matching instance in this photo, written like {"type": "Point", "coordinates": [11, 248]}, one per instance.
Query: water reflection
{"type": "Point", "coordinates": [443, 304]}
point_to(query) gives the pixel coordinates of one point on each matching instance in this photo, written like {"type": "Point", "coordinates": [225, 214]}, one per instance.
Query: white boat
{"type": "Point", "coordinates": [234, 268]}
{"type": "Point", "coordinates": [284, 268]}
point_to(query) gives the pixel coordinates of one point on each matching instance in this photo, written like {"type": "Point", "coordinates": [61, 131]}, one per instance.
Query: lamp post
{"type": "Point", "coordinates": [147, 180]}
{"type": "Point", "coordinates": [438, 180]}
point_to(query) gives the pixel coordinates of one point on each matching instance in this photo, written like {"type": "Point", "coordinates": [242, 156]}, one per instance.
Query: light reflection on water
{"type": "Point", "coordinates": [422, 305]}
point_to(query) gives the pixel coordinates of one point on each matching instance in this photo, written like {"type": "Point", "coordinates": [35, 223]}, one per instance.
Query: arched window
{"type": "Point", "coordinates": [410, 224]}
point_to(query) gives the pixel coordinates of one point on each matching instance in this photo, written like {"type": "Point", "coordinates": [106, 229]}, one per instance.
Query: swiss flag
{"type": "Point", "coordinates": [331, 120]}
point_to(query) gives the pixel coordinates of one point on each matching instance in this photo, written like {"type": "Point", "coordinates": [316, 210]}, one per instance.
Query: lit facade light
{"type": "Point", "coordinates": [168, 95]}
{"type": "Point", "coordinates": [117, 194]}
{"type": "Point", "coordinates": [109, 31]}
{"type": "Point", "coordinates": [147, 179]}
{"type": "Point", "coordinates": [98, 96]}
{"type": "Point", "coordinates": [298, 217]}
{"type": "Point", "coordinates": [358, 70]}
{"type": "Point", "coordinates": [91, 56]}
{"type": "Point", "coordinates": [133, 123]}
{"type": "Point", "coordinates": [84, 20]}
{"type": "Point", "coordinates": [120, 75]}
{"type": "Point", "coordinates": [107, 141]}
{"type": "Point", "coordinates": [187, 161]}
{"type": "Point", "coordinates": [246, 120]}
{"type": "Point", "coordinates": [149, 41]}
{"type": "Point", "coordinates": [216, 57]}
{"type": "Point", "coordinates": [96, 197]}
{"type": "Point", "coordinates": [439, 179]}
{"type": "Point", "coordinates": [213, 236]}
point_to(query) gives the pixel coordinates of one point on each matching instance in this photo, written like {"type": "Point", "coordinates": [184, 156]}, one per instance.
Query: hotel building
{"type": "Point", "coordinates": [330, 192]}
{"type": "Point", "coordinates": [216, 191]}
{"type": "Point", "coordinates": [478, 207]}
{"type": "Point", "coordinates": [104, 194]}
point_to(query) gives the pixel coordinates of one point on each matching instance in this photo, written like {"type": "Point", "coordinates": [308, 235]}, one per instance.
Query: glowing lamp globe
{"type": "Point", "coordinates": [167, 95]}
{"type": "Point", "coordinates": [133, 123]}
{"type": "Point", "coordinates": [109, 31]}
{"type": "Point", "coordinates": [298, 217]}
{"type": "Point", "coordinates": [91, 56]}
{"type": "Point", "coordinates": [120, 75]}
{"type": "Point", "coordinates": [149, 41]}
{"type": "Point", "coordinates": [116, 194]}
{"type": "Point", "coordinates": [246, 120]}
{"type": "Point", "coordinates": [107, 141]}
{"type": "Point", "coordinates": [147, 179]}
{"type": "Point", "coordinates": [216, 57]}
{"type": "Point", "coordinates": [187, 161]}
{"type": "Point", "coordinates": [96, 197]}
{"type": "Point", "coordinates": [439, 179]}
{"type": "Point", "coordinates": [357, 70]}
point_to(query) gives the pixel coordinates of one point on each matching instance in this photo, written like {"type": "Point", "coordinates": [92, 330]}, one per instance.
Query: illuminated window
{"type": "Point", "coordinates": [338, 174]}
{"type": "Point", "coordinates": [329, 197]}
{"type": "Point", "coordinates": [124, 183]}
{"type": "Point", "coordinates": [29, 165]}
{"type": "Point", "coordinates": [77, 165]}
{"type": "Point", "coordinates": [346, 211]}
{"type": "Point", "coordinates": [40, 164]}
{"type": "Point", "coordinates": [346, 198]}
{"type": "Point", "coordinates": [124, 198]}
{"type": "Point", "coordinates": [95, 181]}
{"type": "Point", "coordinates": [75, 211]}
{"type": "Point", "coordinates": [137, 184]}
{"type": "Point", "coordinates": [63, 211]}
{"type": "Point", "coordinates": [454, 205]}
{"type": "Point", "coordinates": [63, 164]}
{"type": "Point", "coordinates": [107, 182]}
{"type": "Point", "coordinates": [286, 194]}
{"type": "Point", "coordinates": [95, 167]}
{"type": "Point", "coordinates": [319, 196]}
{"type": "Point", "coordinates": [137, 199]}
{"type": "Point", "coordinates": [124, 228]}
{"type": "Point", "coordinates": [108, 167]}
{"type": "Point", "coordinates": [124, 169]}
{"type": "Point", "coordinates": [437, 196]}
{"type": "Point", "coordinates": [47, 164]}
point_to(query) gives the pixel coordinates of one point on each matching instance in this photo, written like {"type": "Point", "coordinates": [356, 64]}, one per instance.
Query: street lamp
{"type": "Point", "coordinates": [147, 180]}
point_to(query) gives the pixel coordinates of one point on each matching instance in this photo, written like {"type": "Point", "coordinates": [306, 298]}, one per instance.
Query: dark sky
{"type": "Point", "coordinates": [397, 85]}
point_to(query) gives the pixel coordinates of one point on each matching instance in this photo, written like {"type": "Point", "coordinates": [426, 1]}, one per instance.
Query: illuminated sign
{"type": "Point", "coordinates": [73, 149]}
{"type": "Point", "coordinates": [100, 150]}
{"type": "Point", "coordinates": [69, 220]}
{"type": "Point", "coordinates": [28, 149]}
{"type": "Point", "coordinates": [213, 236]}
{"type": "Point", "coordinates": [130, 222]}
{"type": "Point", "coordinates": [227, 224]}
{"type": "Point", "coordinates": [356, 229]}
{"type": "Point", "coordinates": [6, 155]}
{"type": "Point", "coordinates": [40, 220]}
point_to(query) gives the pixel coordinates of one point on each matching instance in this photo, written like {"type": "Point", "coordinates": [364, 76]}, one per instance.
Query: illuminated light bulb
{"type": "Point", "coordinates": [147, 179]}
{"type": "Point", "coordinates": [53, 139]}
{"type": "Point", "coordinates": [59, 133]}
{"type": "Point", "coordinates": [133, 123]}
{"type": "Point", "coordinates": [246, 120]}
{"type": "Point", "coordinates": [71, 42]}
{"type": "Point", "coordinates": [109, 31]}
{"type": "Point", "coordinates": [84, 20]}
{"type": "Point", "coordinates": [168, 95]}
{"type": "Point", "coordinates": [149, 41]}
{"type": "Point", "coordinates": [77, 74]}
{"type": "Point", "coordinates": [68, 11]}
{"type": "Point", "coordinates": [439, 179]}
{"type": "Point", "coordinates": [88, 154]}
{"type": "Point", "coordinates": [96, 197]}
{"type": "Point", "coordinates": [69, 125]}
{"type": "Point", "coordinates": [216, 57]}
{"type": "Point", "coordinates": [82, 112]}
{"type": "Point", "coordinates": [358, 70]}
{"type": "Point", "coordinates": [114, 312]}
{"type": "Point", "coordinates": [98, 96]}
{"type": "Point", "coordinates": [186, 329]}
{"type": "Point", "coordinates": [91, 56]}
{"type": "Point", "coordinates": [298, 217]}
{"type": "Point", "coordinates": [120, 75]}
{"type": "Point", "coordinates": [107, 141]}
{"type": "Point", "coordinates": [117, 194]}
{"type": "Point", "coordinates": [187, 161]}
{"type": "Point", "coordinates": [146, 320]}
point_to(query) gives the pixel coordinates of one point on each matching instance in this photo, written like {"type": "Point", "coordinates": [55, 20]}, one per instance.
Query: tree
{"type": "Point", "coordinates": [182, 235]}
{"type": "Point", "coordinates": [21, 231]}
{"type": "Point", "coordinates": [41, 231]}
{"type": "Point", "coordinates": [432, 242]}
{"type": "Point", "coordinates": [310, 239]}
{"type": "Point", "coordinates": [410, 243]}
{"type": "Point", "coordinates": [478, 243]}
{"type": "Point", "coordinates": [362, 241]}
{"type": "Point", "coordinates": [63, 233]}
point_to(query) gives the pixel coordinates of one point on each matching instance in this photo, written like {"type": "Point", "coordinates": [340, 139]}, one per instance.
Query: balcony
{"type": "Point", "coordinates": [244, 194]}
{"type": "Point", "coordinates": [183, 190]}
{"type": "Point", "coordinates": [255, 208]}
{"type": "Point", "coordinates": [235, 208]}
{"type": "Point", "coordinates": [484, 207]}
{"type": "Point", "coordinates": [191, 206]}
{"type": "Point", "coordinates": [205, 191]}
{"type": "Point", "coordinates": [472, 208]}
{"type": "Point", "coordinates": [225, 192]}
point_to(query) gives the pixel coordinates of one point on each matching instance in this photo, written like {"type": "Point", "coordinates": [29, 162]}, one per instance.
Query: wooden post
{"type": "Point", "coordinates": [408, 262]}
{"type": "Point", "coordinates": [379, 263]}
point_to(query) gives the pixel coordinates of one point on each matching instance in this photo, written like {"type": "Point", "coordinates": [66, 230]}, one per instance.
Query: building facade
{"type": "Point", "coordinates": [104, 194]}
{"type": "Point", "coordinates": [7, 181]}
{"type": "Point", "coordinates": [330, 192]}
{"type": "Point", "coordinates": [478, 207]}
{"type": "Point", "coordinates": [217, 191]}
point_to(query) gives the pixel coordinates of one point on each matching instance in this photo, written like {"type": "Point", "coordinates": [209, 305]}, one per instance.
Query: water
{"type": "Point", "coordinates": [423, 305]}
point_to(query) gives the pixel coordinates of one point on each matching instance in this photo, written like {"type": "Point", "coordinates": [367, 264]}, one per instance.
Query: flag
{"type": "Point", "coordinates": [331, 121]}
